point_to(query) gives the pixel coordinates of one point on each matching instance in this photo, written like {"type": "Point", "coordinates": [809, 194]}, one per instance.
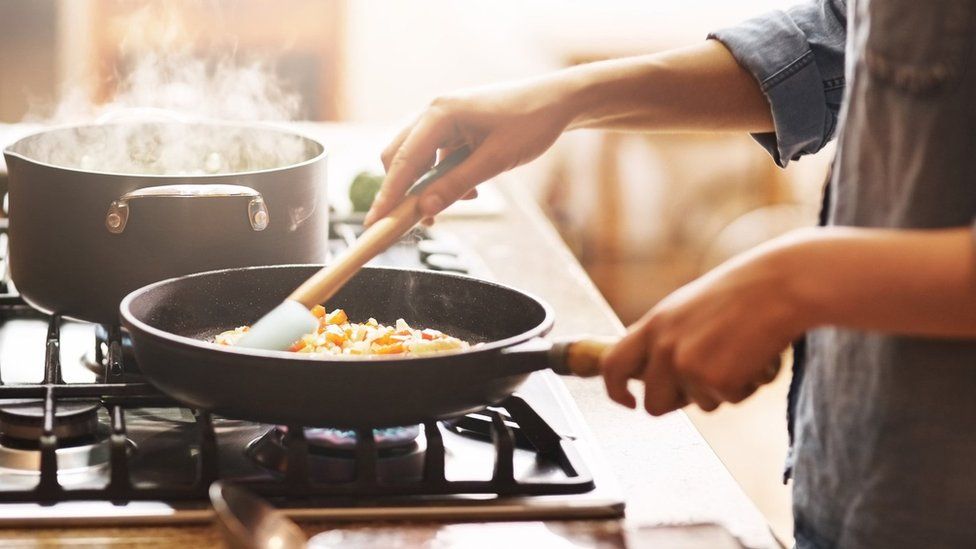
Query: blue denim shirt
{"type": "Point", "coordinates": [884, 427]}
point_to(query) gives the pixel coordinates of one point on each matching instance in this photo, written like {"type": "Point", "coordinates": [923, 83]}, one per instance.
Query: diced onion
{"type": "Point", "coordinates": [337, 336]}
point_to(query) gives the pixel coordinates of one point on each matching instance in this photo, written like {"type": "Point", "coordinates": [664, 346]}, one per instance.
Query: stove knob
{"type": "Point", "coordinates": [430, 247]}
{"type": "Point", "coordinates": [444, 262]}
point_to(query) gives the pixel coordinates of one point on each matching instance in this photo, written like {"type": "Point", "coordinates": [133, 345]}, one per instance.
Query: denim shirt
{"type": "Point", "coordinates": [884, 426]}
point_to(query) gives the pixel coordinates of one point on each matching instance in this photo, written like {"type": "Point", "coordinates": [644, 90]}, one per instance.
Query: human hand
{"type": "Point", "coordinates": [504, 125]}
{"type": "Point", "coordinates": [715, 340]}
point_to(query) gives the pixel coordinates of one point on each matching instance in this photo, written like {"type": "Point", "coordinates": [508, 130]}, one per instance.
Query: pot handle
{"type": "Point", "coordinates": [257, 211]}
{"type": "Point", "coordinates": [578, 356]}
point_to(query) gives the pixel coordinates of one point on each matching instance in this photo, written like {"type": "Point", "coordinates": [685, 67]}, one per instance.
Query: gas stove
{"type": "Point", "coordinates": [85, 440]}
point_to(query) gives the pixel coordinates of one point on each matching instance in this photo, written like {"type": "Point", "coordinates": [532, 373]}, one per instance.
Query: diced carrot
{"type": "Point", "coordinates": [298, 346]}
{"type": "Point", "coordinates": [337, 316]}
{"type": "Point", "coordinates": [430, 334]}
{"type": "Point", "coordinates": [391, 349]}
{"type": "Point", "coordinates": [318, 311]}
{"type": "Point", "coordinates": [335, 334]}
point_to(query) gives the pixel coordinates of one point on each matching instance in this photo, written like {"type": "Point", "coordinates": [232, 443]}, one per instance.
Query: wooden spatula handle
{"type": "Point", "coordinates": [580, 356]}
{"type": "Point", "coordinates": [378, 237]}
{"type": "Point", "coordinates": [374, 240]}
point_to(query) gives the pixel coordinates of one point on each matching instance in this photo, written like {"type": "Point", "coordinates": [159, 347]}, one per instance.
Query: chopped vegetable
{"type": "Point", "coordinates": [363, 189]}
{"type": "Point", "coordinates": [335, 335]}
{"type": "Point", "coordinates": [337, 316]}
{"type": "Point", "coordinates": [391, 349]}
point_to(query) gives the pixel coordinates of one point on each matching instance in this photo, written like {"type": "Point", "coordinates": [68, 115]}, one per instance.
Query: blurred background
{"type": "Point", "coordinates": [644, 213]}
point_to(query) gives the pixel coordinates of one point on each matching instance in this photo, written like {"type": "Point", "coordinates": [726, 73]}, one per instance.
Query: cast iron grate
{"type": "Point", "coordinates": [513, 423]}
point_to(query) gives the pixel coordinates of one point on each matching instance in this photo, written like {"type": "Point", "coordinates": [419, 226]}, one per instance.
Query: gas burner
{"type": "Point", "coordinates": [23, 420]}
{"type": "Point", "coordinates": [75, 462]}
{"type": "Point", "coordinates": [83, 443]}
{"type": "Point", "coordinates": [332, 454]}
{"type": "Point", "coordinates": [330, 439]}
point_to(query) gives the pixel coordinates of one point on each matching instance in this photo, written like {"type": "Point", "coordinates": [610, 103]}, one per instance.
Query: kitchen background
{"type": "Point", "coordinates": [644, 213]}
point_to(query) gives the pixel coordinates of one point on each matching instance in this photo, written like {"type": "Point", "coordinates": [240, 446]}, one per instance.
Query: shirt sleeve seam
{"type": "Point", "coordinates": [834, 83]}
{"type": "Point", "coordinates": [790, 69]}
{"type": "Point", "coordinates": [831, 125]}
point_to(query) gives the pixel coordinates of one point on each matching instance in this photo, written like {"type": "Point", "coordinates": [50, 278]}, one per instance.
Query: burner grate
{"type": "Point", "coordinates": [510, 425]}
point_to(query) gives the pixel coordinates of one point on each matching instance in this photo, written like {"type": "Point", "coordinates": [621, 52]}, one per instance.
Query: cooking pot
{"type": "Point", "coordinates": [99, 210]}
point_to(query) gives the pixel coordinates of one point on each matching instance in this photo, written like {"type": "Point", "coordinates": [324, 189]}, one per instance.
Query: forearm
{"type": "Point", "coordinates": [699, 88]}
{"type": "Point", "coordinates": [911, 282]}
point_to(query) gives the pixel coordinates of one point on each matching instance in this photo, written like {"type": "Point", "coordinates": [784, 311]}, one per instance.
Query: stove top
{"type": "Point", "coordinates": [85, 440]}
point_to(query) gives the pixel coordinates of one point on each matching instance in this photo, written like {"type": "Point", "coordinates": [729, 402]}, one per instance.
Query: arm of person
{"type": "Point", "coordinates": [719, 338]}
{"type": "Point", "coordinates": [910, 282]}
{"type": "Point", "coordinates": [779, 76]}
{"type": "Point", "coordinates": [698, 88]}
{"type": "Point", "coordinates": [701, 87]}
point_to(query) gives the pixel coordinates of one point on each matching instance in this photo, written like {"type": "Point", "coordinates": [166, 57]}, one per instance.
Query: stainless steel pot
{"type": "Point", "coordinates": [97, 211]}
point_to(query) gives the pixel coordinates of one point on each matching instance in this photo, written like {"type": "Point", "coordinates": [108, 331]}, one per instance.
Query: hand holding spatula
{"type": "Point", "coordinates": [290, 320]}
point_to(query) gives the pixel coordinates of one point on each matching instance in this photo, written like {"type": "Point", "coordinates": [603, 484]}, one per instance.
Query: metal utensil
{"type": "Point", "coordinates": [247, 522]}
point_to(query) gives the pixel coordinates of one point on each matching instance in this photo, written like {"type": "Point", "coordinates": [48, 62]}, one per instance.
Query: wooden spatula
{"type": "Point", "coordinates": [289, 321]}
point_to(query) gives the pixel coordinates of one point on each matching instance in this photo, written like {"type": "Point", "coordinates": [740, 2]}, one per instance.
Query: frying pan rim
{"type": "Point", "coordinates": [539, 330]}
{"type": "Point", "coordinates": [9, 150]}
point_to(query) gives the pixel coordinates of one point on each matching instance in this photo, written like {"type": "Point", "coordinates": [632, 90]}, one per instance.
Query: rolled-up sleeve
{"type": "Point", "coordinates": [797, 56]}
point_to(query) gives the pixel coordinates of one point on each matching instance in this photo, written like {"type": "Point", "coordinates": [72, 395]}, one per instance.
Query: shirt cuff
{"type": "Point", "coordinates": [776, 52]}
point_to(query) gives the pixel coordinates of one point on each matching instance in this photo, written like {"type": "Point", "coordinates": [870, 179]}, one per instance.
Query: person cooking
{"type": "Point", "coordinates": [882, 409]}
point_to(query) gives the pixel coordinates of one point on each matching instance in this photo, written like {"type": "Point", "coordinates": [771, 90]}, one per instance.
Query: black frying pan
{"type": "Point", "coordinates": [171, 322]}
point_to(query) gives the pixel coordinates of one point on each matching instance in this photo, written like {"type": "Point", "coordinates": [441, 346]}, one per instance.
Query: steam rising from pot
{"type": "Point", "coordinates": [174, 148]}
{"type": "Point", "coordinates": [162, 79]}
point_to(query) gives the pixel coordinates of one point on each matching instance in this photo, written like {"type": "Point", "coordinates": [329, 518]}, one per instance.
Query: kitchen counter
{"type": "Point", "coordinates": [675, 486]}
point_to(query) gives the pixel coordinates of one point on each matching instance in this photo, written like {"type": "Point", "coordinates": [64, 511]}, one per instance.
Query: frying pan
{"type": "Point", "coordinates": [171, 322]}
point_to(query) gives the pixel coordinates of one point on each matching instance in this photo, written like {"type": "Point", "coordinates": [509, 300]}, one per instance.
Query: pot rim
{"type": "Point", "coordinates": [10, 152]}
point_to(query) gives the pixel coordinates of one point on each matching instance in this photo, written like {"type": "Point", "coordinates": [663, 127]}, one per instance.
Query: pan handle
{"type": "Point", "coordinates": [257, 210]}
{"type": "Point", "coordinates": [578, 356]}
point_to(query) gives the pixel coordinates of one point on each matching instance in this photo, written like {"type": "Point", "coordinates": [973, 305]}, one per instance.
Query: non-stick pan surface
{"type": "Point", "coordinates": [171, 321]}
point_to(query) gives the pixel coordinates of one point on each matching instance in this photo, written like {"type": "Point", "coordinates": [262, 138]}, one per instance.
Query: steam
{"type": "Point", "coordinates": [161, 117]}
{"type": "Point", "coordinates": [168, 148]}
